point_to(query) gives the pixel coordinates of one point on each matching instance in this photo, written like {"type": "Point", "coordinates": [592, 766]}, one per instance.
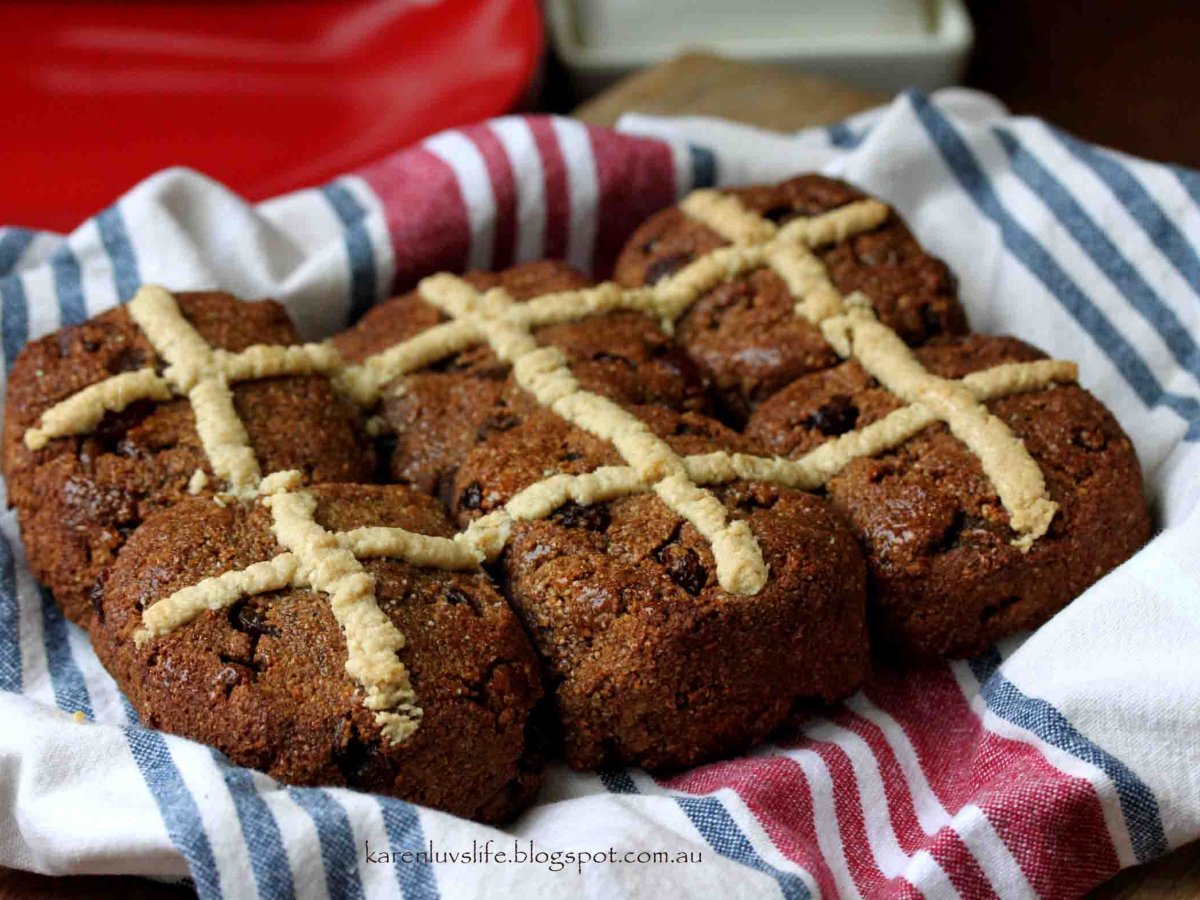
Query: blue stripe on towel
{"type": "Point", "coordinates": [403, 824]}
{"type": "Point", "coordinates": [10, 620]}
{"type": "Point", "coordinates": [264, 841]}
{"type": "Point", "coordinates": [840, 135]}
{"type": "Point", "coordinates": [1189, 179]}
{"type": "Point", "coordinates": [115, 237]}
{"type": "Point", "coordinates": [131, 715]}
{"type": "Point", "coordinates": [1102, 251]}
{"type": "Point", "coordinates": [68, 285]}
{"type": "Point", "coordinates": [975, 182]}
{"type": "Point", "coordinates": [70, 690]}
{"type": "Point", "coordinates": [14, 318]}
{"type": "Point", "coordinates": [338, 850]}
{"type": "Point", "coordinates": [704, 166]}
{"type": "Point", "coordinates": [359, 251]}
{"type": "Point", "coordinates": [1138, 803]}
{"type": "Point", "coordinates": [713, 820]}
{"type": "Point", "coordinates": [710, 817]}
{"type": "Point", "coordinates": [177, 806]}
{"type": "Point", "coordinates": [13, 244]}
{"type": "Point", "coordinates": [1140, 204]}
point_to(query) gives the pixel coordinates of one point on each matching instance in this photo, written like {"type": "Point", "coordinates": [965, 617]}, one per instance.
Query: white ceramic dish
{"type": "Point", "coordinates": [882, 44]}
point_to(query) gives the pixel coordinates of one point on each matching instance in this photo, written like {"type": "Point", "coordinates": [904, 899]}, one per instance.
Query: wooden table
{"type": "Point", "coordinates": [697, 84]}
{"type": "Point", "coordinates": [700, 84]}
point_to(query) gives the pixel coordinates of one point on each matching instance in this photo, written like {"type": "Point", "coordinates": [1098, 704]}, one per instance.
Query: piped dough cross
{"type": "Point", "coordinates": [543, 372]}
{"type": "Point", "coordinates": [850, 326]}
{"type": "Point", "coordinates": [324, 561]}
{"type": "Point", "coordinates": [194, 370]}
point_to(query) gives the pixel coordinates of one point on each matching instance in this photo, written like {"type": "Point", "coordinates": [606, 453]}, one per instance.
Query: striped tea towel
{"type": "Point", "coordinates": [1042, 767]}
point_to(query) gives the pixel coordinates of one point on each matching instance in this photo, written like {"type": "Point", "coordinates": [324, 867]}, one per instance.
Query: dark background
{"type": "Point", "coordinates": [1123, 73]}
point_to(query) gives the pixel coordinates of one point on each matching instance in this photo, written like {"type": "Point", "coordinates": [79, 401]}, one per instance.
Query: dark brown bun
{"type": "Point", "coordinates": [265, 680]}
{"type": "Point", "coordinates": [946, 578]}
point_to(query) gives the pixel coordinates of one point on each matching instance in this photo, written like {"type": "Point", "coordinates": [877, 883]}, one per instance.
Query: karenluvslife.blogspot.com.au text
{"type": "Point", "coordinates": [527, 852]}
